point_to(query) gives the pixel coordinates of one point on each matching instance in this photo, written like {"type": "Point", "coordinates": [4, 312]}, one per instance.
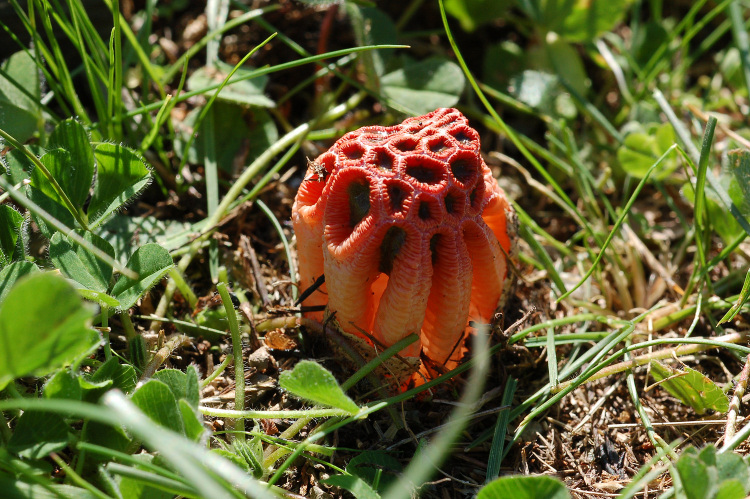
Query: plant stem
{"type": "Point", "coordinates": [239, 365]}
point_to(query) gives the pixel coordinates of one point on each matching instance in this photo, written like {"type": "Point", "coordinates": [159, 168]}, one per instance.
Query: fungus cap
{"type": "Point", "coordinates": [411, 230]}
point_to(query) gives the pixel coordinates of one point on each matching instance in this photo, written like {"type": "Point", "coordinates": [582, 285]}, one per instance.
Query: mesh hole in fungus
{"type": "Point", "coordinates": [406, 145]}
{"type": "Point", "coordinates": [451, 203]}
{"type": "Point", "coordinates": [394, 239]}
{"type": "Point", "coordinates": [384, 160]}
{"type": "Point", "coordinates": [424, 173]}
{"type": "Point", "coordinates": [475, 198]}
{"type": "Point", "coordinates": [353, 151]}
{"type": "Point", "coordinates": [424, 210]}
{"type": "Point", "coordinates": [396, 196]}
{"type": "Point", "coordinates": [359, 201]}
{"type": "Point", "coordinates": [462, 136]}
{"type": "Point", "coordinates": [463, 169]}
{"type": "Point", "coordinates": [438, 145]}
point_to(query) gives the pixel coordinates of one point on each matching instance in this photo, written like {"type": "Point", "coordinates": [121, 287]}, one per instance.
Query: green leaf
{"type": "Point", "coordinates": [194, 429]}
{"type": "Point", "coordinates": [691, 387]}
{"type": "Point", "coordinates": [240, 135]}
{"type": "Point", "coordinates": [379, 29]}
{"type": "Point", "coordinates": [176, 380]}
{"type": "Point", "coordinates": [158, 402]}
{"type": "Point", "coordinates": [121, 376]}
{"type": "Point", "coordinates": [353, 484]}
{"type": "Point", "coordinates": [311, 381]}
{"type": "Point", "coordinates": [252, 452]}
{"type": "Point", "coordinates": [125, 234]}
{"type": "Point", "coordinates": [474, 13]}
{"type": "Point", "coordinates": [739, 168]}
{"type": "Point", "coordinates": [20, 94]}
{"type": "Point", "coordinates": [641, 150]}
{"type": "Point", "coordinates": [730, 466]}
{"type": "Point", "coordinates": [248, 92]}
{"type": "Point", "coordinates": [109, 436]}
{"type": "Point", "coordinates": [41, 192]}
{"type": "Point", "coordinates": [37, 434]}
{"type": "Point", "coordinates": [368, 465]}
{"type": "Point", "coordinates": [731, 489]}
{"type": "Point", "coordinates": [19, 166]}
{"type": "Point", "coordinates": [151, 262]}
{"type": "Point", "coordinates": [63, 385]}
{"type": "Point", "coordinates": [43, 326]}
{"type": "Point", "coordinates": [424, 86]}
{"type": "Point", "coordinates": [76, 262]}
{"type": "Point", "coordinates": [524, 487]}
{"type": "Point", "coordinates": [76, 180]}
{"type": "Point", "coordinates": [10, 274]}
{"type": "Point", "coordinates": [120, 175]}
{"type": "Point", "coordinates": [576, 20]}
{"type": "Point", "coordinates": [11, 223]}
{"type": "Point", "coordinates": [698, 481]}
{"type": "Point", "coordinates": [192, 387]}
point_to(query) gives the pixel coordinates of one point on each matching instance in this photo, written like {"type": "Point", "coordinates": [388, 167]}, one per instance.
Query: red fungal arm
{"type": "Point", "coordinates": [411, 230]}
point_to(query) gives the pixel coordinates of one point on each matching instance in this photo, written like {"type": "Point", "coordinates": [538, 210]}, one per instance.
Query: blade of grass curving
{"type": "Point", "coordinates": [499, 121]}
{"type": "Point", "coordinates": [684, 135]}
{"type": "Point", "coordinates": [37, 210]}
{"type": "Point", "coordinates": [211, 168]}
{"type": "Point", "coordinates": [207, 107]}
{"type": "Point", "coordinates": [172, 70]}
{"type": "Point", "coordinates": [739, 33]}
{"type": "Point", "coordinates": [170, 486]}
{"type": "Point", "coordinates": [625, 212]}
{"type": "Point", "coordinates": [115, 91]}
{"type": "Point", "coordinates": [430, 457]}
{"type": "Point", "coordinates": [606, 346]}
{"type": "Point", "coordinates": [289, 414]}
{"type": "Point", "coordinates": [239, 371]}
{"type": "Point", "coordinates": [164, 112]}
{"type": "Point", "coordinates": [53, 182]}
{"type": "Point", "coordinates": [700, 218]}
{"type": "Point", "coordinates": [198, 466]}
{"type": "Point", "coordinates": [261, 72]}
{"type": "Point", "coordinates": [49, 79]}
{"type": "Point", "coordinates": [143, 58]}
{"type": "Point", "coordinates": [382, 357]}
{"type": "Point", "coordinates": [94, 85]}
{"type": "Point", "coordinates": [645, 420]}
{"type": "Point", "coordinates": [287, 249]}
{"type": "Point", "coordinates": [645, 474]}
{"type": "Point", "coordinates": [129, 459]}
{"type": "Point", "coordinates": [63, 73]}
{"type": "Point", "coordinates": [74, 477]}
{"type": "Point", "coordinates": [333, 68]}
{"type": "Point", "coordinates": [497, 450]}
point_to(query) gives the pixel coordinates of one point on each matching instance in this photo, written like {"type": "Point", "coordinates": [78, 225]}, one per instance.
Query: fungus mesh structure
{"type": "Point", "coordinates": [411, 231]}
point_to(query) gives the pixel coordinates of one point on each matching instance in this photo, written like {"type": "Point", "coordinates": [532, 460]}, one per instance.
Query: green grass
{"type": "Point", "coordinates": [622, 134]}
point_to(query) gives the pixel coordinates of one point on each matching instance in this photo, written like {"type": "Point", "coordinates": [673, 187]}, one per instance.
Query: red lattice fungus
{"type": "Point", "coordinates": [411, 231]}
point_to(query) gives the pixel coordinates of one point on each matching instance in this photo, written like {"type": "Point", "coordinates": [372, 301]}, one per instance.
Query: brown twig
{"type": "Point", "coordinates": [175, 341]}
{"type": "Point", "coordinates": [247, 248]}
